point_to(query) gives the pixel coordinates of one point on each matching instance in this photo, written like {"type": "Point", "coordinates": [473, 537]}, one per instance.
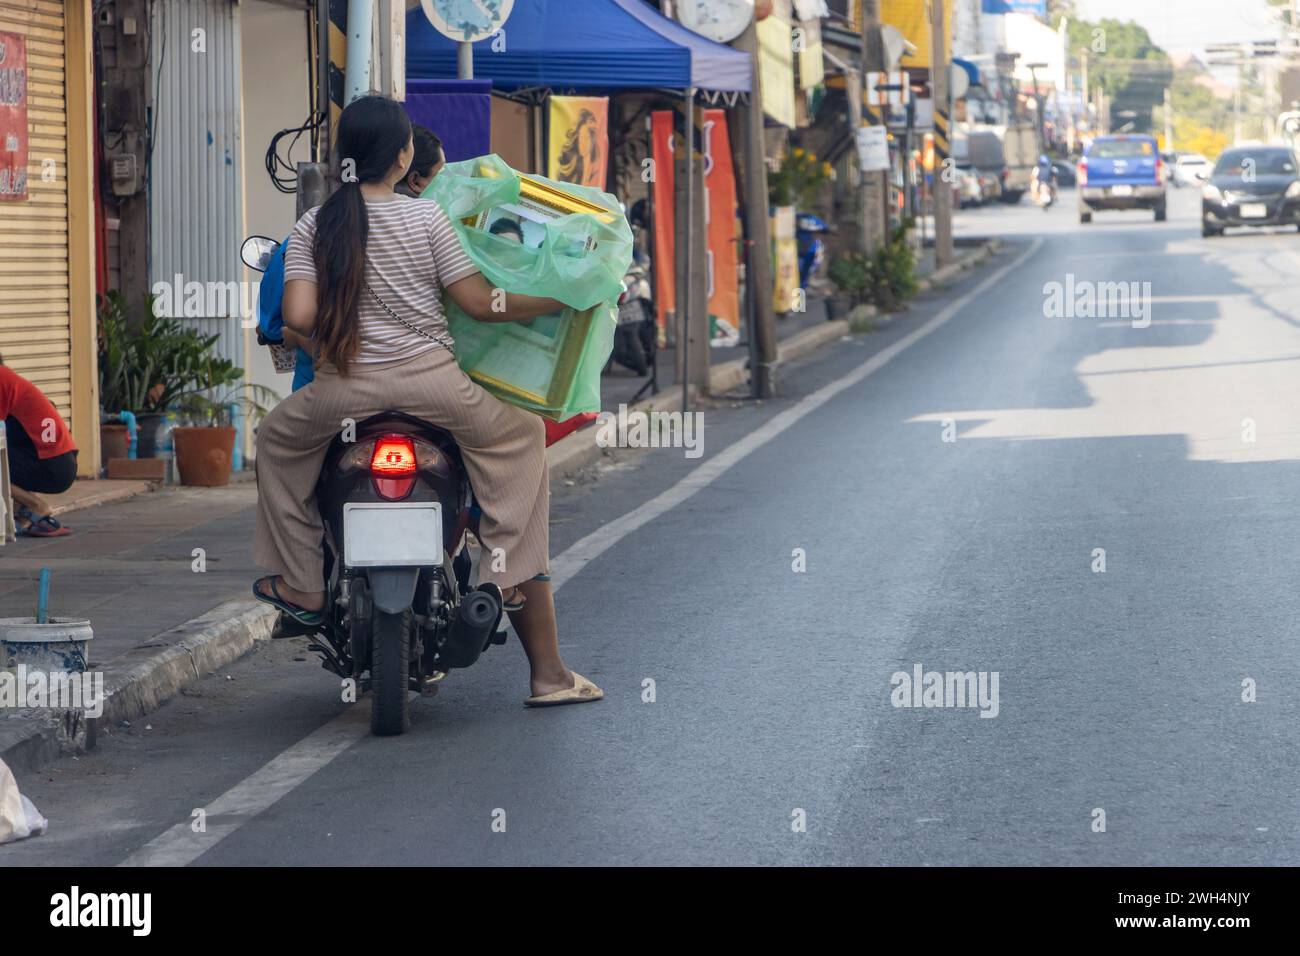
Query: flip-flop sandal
{"type": "Point", "coordinates": [581, 692]}
{"type": "Point", "coordinates": [516, 602]}
{"type": "Point", "coordinates": [301, 615]}
{"type": "Point", "coordinates": [46, 527]}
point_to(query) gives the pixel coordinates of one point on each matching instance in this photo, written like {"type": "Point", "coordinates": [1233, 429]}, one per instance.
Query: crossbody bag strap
{"type": "Point", "coordinates": [440, 339]}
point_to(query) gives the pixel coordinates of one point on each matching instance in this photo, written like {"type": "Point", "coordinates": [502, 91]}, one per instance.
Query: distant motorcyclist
{"type": "Point", "coordinates": [1045, 178]}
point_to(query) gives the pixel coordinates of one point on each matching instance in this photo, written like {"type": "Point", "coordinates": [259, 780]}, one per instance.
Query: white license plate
{"type": "Point", "coordinates": [1253, 210]}
{"type": "Point", "coordinates": [396, 534]}
{"type": "Point", "coordinates": [1121, 190]}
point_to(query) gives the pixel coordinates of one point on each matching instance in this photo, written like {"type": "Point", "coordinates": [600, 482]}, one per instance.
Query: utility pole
{"type": "Point", "coordinates": [759, 287]}
{"type": "Point", "coordinates": [1085, 93]}
{"type": "Point", "coordinates": [1236, 102]}
{"type": "Point", "coordinates": [1169, 121]}
{"type": "Point", "coordinates": [941, 197]}
{"type": "Point", "coordinates": [875, 185]}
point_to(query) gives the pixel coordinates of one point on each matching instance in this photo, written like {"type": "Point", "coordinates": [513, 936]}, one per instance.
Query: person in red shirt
{"type": "Point", "coordinates": [42, 455]}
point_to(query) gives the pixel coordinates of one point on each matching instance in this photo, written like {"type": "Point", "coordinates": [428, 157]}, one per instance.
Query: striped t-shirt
{"type": "Point", "coordinates": [412, 252]}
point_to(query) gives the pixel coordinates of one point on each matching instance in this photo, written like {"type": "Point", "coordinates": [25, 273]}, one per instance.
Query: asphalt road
{"type": "Point", "coordinates": [1168, 443]}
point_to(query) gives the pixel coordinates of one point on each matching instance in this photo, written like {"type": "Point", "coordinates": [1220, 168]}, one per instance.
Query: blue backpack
{"type": "Point", "coordinates": [270, 320]}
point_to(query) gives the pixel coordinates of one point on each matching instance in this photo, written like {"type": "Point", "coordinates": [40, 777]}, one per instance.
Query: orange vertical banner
{"type": "Point", "coordinates": [661, 151]}
{"type": "Point", "coordinates": [720, 186]}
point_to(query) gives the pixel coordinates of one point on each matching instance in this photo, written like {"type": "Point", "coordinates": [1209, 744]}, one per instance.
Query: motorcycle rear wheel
{"type": "Point", "coordinates": [390, 665]}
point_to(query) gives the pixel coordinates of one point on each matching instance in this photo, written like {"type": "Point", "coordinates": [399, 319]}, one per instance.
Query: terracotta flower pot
{"type": "Point", "coordinates": [203, 455]}
{"type": "Point", "coordinates": [114, 442]}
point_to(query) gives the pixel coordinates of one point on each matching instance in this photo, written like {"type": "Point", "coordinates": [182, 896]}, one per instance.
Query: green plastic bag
{"type": "Point", "coordinates": [551, 365]}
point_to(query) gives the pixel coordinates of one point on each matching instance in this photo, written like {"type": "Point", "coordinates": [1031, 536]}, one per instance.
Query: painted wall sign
{"type": "Point", "coordinates": [13, 116]}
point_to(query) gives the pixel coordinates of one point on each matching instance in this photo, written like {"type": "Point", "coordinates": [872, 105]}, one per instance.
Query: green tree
{"type": "Point", "coordinates": [1127, 64]}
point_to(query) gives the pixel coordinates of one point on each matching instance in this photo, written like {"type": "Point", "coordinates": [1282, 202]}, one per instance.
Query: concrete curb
{"type": "Point", "coordinates": [102, 496]}
{"type": "Point", "coordinates": [139, 682]}
{"type": "Point", "coordinates": [943, 275]}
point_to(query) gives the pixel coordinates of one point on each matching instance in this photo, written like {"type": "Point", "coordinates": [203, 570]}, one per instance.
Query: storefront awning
{"type": "Point", "coordinates": [971, 69]}
{"type": "Point", "coordinates": [583, 45]}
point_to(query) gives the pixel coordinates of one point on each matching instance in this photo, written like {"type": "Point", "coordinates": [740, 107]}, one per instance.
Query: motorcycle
{"type": "Point", "coordinates": [1044, 195]}
{"type": "Point", "coordinates": [400, 613]}
{"type": "Point", "coordinates": [636, 334]}
{"type": "Point", "coordinates": [809, 230]}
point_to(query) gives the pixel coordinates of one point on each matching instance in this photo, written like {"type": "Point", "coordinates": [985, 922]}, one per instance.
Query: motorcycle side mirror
{"type": "Point", "coordinates": [256, 252]}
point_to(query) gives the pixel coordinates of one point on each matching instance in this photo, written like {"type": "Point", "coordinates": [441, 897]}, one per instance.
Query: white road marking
{"type": "Point", "coordinates": [180, 845]}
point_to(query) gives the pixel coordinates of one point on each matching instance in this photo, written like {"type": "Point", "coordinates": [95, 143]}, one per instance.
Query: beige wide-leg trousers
{"type": "Point", "coordinates": [504, 448]}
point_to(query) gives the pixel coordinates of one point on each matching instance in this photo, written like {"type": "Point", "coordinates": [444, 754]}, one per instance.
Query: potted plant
{"type": "Point", "coordinates": [145, 366]}
{"type": "Point", "coordinates": [798, 179]}
{"type": "Point", "coordinates": [204, 451]}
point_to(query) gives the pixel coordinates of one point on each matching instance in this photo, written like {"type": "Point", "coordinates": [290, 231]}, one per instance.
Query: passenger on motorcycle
{"type": "Point", "coordinates": [1044, 178]}
{"type": "Point", "coordinates": [364, 276]}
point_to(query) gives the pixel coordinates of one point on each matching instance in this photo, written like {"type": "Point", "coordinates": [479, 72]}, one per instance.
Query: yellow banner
{"type": "Point", "coordinates": [912, 19]}
{"type": "Point", "coordinates": [776, 64]}
{"type": "Point", "coordinates": [578, 150]}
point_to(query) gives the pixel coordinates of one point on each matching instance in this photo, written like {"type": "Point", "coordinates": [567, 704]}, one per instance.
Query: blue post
{"type": "Point", "coordinates": [43, 597]}
{"type": "Point", "coordinates": [237, 457]}
{"type": "Point", "coordinates": [132, 430]}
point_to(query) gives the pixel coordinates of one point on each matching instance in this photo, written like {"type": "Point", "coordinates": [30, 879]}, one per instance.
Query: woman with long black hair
{"type": "Point", "coordinates": [364, 276]}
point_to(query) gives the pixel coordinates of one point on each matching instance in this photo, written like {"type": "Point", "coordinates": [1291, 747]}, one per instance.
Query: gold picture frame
{"type": "Point", "coordinates": [533, 363]}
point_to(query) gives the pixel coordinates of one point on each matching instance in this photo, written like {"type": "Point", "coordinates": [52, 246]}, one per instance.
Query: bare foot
{"type": "Point", "coordinates": [308, 601]}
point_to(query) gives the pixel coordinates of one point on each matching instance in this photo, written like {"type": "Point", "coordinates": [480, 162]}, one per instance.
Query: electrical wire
{"type": "Point", "coordinates": [282, 170]}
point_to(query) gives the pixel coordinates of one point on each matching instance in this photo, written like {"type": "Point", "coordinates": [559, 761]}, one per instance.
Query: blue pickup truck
{"type": "Point", "coordinates": [1121, 172]}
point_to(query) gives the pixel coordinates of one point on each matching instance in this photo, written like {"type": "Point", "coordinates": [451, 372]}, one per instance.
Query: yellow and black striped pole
{"type": "Point", "coordinates": [942, 149]}
{"type": "Point", "coordinates": [942, 197]}
{"type": "Point", "coordinates": [336, 68]}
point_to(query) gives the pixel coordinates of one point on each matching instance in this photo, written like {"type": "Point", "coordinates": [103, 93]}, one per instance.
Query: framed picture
{"type": "Point", "coordinates": [533, 363]}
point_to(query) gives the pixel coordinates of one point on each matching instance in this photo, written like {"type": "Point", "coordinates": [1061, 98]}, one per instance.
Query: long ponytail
{"type": "Point", "coordinates": [372, 131]}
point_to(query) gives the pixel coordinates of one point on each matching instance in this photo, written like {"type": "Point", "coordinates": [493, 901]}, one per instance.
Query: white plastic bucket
{"type": "Point", "coordinates": [61, 644]}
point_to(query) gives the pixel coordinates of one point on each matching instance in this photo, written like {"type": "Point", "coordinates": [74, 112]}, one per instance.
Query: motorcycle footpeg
{"type": "Point", "coordinates": [428, 686]}
{"type": "Point", "coordinates": [286, 626]}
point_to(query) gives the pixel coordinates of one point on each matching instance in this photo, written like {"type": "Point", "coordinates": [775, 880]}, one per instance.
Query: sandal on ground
{"type": "Point", "coordinates": [301, 615]}
{"type": "Point", "coordinates": [581, 692]}
{"type": "Point", "coordinates": [44, 527]}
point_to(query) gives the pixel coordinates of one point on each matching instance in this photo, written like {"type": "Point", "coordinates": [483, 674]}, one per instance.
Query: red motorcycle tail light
{"type": "Point", "coordinates": [394, 457]}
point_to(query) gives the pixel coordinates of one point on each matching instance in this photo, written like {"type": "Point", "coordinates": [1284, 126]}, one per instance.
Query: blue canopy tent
{"type": "Point", "coordinates": [584, 45]}
{"type": "Point", "coordinates": [591, 45]}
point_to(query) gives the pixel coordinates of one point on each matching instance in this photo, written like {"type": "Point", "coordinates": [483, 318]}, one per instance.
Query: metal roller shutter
{"type": "Point", "coordinates": [35, 319]}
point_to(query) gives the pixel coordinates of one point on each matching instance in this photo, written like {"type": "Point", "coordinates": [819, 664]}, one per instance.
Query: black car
{"type": "Point", "coordinates": [1065, 175]}
{"type": "Point", "coordinates": [1251, 186]}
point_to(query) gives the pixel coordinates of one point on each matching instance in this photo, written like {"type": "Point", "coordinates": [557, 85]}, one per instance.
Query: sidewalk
{"type": "Point", "coordinates": [130, 569]}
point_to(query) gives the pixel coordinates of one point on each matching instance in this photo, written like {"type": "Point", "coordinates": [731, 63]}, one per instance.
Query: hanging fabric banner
{"type": "Point", "coordinates": [661, 152]}
{"type": "Point", "coordinates": [720, 187]}
{"type": "Point", "coordinates": [785, 259]}
{"type": "Point", "coordinates": [579, 140]}
{"type": "Point", "coordinates": [13, 116]}
{"type": "Point", "coordinates": [458, 111]}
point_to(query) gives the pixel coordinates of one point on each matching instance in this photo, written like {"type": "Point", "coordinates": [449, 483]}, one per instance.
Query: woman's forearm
{"type": "Point", "coordinates": [522, 308]}
{"type": "Point", "coordinates": [480, 301]}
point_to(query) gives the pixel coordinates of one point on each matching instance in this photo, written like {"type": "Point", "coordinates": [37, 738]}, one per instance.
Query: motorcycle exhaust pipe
{"type": "Point", "coordinates": [475, 623]}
